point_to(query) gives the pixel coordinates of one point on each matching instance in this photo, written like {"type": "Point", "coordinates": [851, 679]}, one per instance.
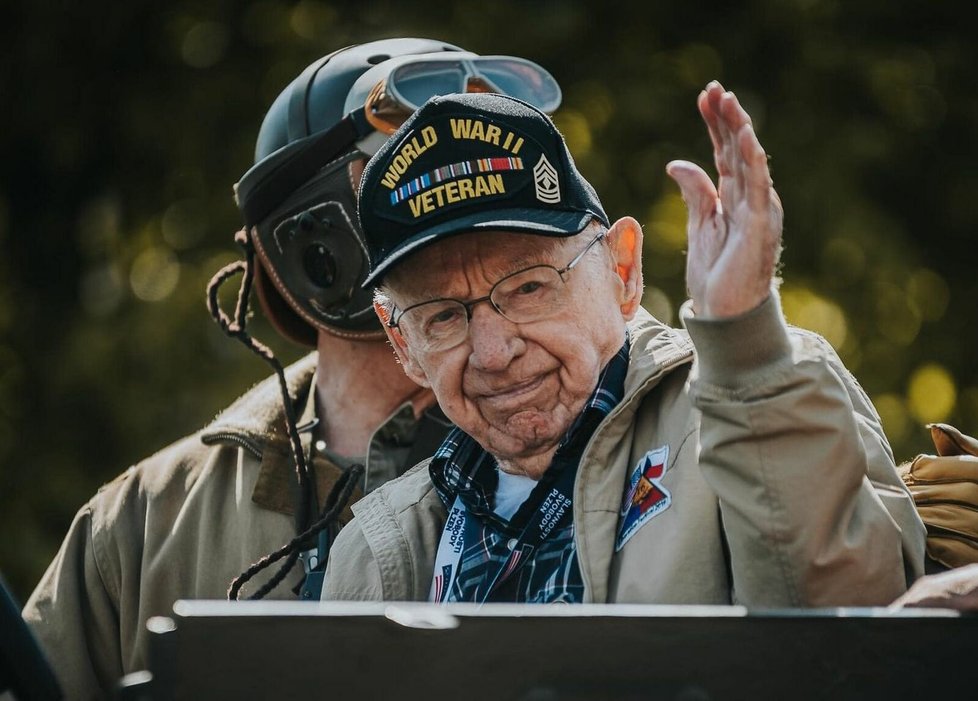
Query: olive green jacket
{"type": "Point", "coordinates": [182, 524]}
{"type": "Point", "coordinates": [781, 486]}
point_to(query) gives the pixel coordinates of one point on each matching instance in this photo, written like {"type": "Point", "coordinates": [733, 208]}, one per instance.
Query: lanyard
{"type": "Point", "coordinates": [462, 531]}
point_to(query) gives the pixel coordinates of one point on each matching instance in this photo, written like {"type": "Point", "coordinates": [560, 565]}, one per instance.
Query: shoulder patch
{"type": "Point", "coordinates": [644, 496]}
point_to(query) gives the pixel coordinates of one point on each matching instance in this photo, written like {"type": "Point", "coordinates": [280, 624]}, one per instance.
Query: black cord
{"type": "Point", "coordinates": [339, 496]}
{"type": "Point", "coordinates": [237, 328]}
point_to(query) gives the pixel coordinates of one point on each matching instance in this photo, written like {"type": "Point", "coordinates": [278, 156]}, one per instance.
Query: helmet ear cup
{"type": "Point", "coordinates": [322, 262]}
{"type": "Point", "coordinates": [311, 252]}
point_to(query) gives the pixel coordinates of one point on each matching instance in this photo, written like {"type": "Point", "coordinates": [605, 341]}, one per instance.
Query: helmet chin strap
{"type": "Point", "coordinates": [339, 496]}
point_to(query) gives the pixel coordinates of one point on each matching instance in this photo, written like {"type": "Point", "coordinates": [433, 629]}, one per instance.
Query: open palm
{"type": "Point", "coordinates": [734, 228]}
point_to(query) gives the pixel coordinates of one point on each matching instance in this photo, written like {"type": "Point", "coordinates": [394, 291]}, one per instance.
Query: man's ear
{"type": "Point", "coordinates": [625, 240]}
{"type": "Point", "coordinates": [400, 344]}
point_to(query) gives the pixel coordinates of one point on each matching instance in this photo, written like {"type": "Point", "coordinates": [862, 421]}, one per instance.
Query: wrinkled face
{"type": "Point", "coordinates": [515, 388]}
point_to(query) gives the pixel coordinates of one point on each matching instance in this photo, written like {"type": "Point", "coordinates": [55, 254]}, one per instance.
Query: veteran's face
{"type": "Point", "coordinates": [516, 388]}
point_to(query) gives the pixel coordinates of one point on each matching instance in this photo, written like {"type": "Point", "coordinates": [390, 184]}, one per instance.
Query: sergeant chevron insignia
{"type": "Point", "coordinates": [546, 182]}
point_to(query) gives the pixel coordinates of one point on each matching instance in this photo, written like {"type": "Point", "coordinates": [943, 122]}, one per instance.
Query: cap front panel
{"type": "Point", "coordinates": [467, 162]}
{"type": "Point", "coordinates": [460, 162]}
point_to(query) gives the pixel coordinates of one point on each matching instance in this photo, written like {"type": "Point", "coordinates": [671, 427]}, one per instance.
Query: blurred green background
{"type": "Point", "coordinates": [124, 125]}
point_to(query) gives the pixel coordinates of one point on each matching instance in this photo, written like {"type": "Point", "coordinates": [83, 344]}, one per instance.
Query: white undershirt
{"type": "Point", "coordinates": [511, 492]}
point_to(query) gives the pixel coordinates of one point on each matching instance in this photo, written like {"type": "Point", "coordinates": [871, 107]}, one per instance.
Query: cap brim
{"type": "Point", "coordinates": [531, 221]}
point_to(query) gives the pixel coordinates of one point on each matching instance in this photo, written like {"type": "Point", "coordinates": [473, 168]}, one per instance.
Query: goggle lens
{"type": "Point", "coordinates": [415, 83]}
{"type": "Point", "coordinates": [524, 81]}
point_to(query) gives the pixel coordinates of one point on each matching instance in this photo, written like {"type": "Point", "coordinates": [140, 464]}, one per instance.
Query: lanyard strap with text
{"type": "Point", "coordinates": [461, 531]}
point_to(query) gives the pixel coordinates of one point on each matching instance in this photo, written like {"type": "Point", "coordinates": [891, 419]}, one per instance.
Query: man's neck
{"type": "Point", "coordinates": [533, 466]}
{"type": "Point", "coordinates": [359, 384]}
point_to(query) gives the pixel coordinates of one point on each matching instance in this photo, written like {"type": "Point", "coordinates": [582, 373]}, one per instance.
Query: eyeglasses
{"type": "Point", "coordinates": [522, 297]}
{"type": "Point", "coordinates": [394, 89]}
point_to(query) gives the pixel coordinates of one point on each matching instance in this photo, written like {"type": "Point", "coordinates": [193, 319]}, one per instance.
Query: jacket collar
{"type": "Point", "coordinates": [256, 420]}
{"type": "Point", "coordinates": [655, 348]}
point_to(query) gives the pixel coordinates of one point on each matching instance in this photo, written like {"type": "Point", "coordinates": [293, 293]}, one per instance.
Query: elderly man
{"type": "Point", "coordinates": [600, 455]}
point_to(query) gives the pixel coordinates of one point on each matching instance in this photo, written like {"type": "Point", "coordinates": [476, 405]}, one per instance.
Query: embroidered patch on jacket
{"type": "Point", "coordinates": [644, 496]}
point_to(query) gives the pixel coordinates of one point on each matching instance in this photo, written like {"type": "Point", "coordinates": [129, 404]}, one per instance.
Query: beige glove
{"type": "Point", "coordinates": [945, 490]}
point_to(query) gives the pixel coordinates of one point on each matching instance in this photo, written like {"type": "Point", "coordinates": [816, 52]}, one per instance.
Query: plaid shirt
{"type": "Point", "coordinates": [462, 469]}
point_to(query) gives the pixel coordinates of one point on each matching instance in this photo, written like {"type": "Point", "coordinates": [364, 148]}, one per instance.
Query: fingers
{"type": "Point", "coordinates": [754, 171]}
{"type": "Point", "coordinates": [702, 210]}
{"type": "Point", "coordinates": [697, 189]}
{"type": "Point", "coordinates": [712, 124]}
{"type": "Point", "coordinates": [740, 159]}
{"type": "Point", "coordinates": [724, 117]}
{"type": "Point", "coordinates": [711, 106]}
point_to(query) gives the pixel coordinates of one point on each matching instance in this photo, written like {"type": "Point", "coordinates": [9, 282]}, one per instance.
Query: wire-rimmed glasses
{"type": "Point", "coordinates": [522, 297]}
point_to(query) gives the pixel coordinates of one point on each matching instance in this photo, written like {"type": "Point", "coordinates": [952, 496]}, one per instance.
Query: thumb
{"type": "Point", "coordinates": [698, 191]}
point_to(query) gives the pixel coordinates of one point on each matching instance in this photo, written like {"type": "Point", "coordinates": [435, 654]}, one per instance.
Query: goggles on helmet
{"type": "Point", "coordinates": [391, 91]}
{"type": "Point", "coordinates": [378, 103]}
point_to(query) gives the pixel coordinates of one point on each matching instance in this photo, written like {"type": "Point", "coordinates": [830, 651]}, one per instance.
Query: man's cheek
{"type": "Point", "coordinates": [448, 389]}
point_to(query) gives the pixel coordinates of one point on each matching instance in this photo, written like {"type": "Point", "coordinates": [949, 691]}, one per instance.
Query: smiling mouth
{"type": "Point", "coordinates": [516, 392]}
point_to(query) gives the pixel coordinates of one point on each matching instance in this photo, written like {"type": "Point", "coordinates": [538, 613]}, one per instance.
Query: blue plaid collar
{"type": "Point", "coordinates": [462, 468]}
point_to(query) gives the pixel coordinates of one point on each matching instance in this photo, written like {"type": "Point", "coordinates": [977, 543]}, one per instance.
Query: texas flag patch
{"type": "Point", "coordinates": [644, 496]}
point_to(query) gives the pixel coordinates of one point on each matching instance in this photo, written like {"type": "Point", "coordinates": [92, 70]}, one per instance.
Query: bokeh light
{"type": "Point", "coordinates": [666, 230]}
{"type": "Point", "coordinates": [154, 274]}
{"type": "Point", "coordinates": [931, 393]}
{"type": "Point", "coordinates": [806, 309]}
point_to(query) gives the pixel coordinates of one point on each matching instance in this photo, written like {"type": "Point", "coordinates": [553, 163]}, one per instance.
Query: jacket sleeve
{"type": "Point", "coordinates": [74, 613]}
{"type": "Point", "coordinates": [813, 510]}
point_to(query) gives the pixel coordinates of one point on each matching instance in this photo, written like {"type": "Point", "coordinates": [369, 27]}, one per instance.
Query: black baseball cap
{"type": "Point", "coordinates": [469, 162]}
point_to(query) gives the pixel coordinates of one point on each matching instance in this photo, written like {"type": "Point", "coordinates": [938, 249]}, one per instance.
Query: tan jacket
{"type": "Point", "coordinates": [181, 524]}
{"type": "Point", "coordinates": [782, 486]}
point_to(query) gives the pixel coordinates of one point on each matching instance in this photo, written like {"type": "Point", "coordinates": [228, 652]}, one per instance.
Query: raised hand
{"type": "Point", "coordinates": [734, 228]}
